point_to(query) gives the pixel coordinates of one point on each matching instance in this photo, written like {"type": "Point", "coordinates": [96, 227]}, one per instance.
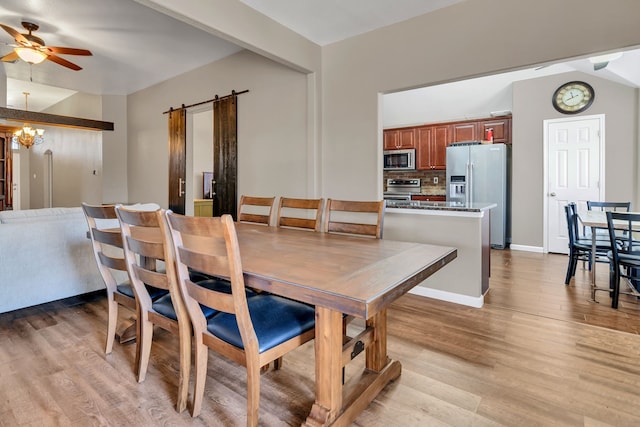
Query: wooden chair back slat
{"type": "Point", "coordinates": [112, 262]}
{"type": "Point", "coordinates": [153, 250]}
{"type": "Point", "coordinates": [341, 216]}
{"type": "Point", "coordinates": [216, 300]}
{"type": "Point", "coordinates": [208, 263]}
{"type": "Point", "coordinates": [152, 278]}
{"type": "Point", "coordinates": [250, 208]}
{"type": "Point", "coordinates": [108, 237]}
{"type": "Point", "coordinates": [305, 217]}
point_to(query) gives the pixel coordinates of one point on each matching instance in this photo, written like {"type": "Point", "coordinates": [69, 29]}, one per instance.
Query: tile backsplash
{"type": "Point", "coordinates": [426, 180]}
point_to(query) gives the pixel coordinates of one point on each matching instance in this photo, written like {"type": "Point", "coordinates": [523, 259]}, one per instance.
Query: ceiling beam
{"type": "Point", "coordinates": [33, 117]}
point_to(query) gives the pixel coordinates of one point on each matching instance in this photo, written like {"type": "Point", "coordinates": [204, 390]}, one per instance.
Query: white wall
{"type": "Point", "coordinates": [532, 105]}
{"type": "Point", "coordinates": [272, 126]}
{"type": "Point", "coordinates": [462, 100]}
{"type": "Point", "coordinates": [76, 155]}
{"type": "Point", "coordinates": [114, 150]}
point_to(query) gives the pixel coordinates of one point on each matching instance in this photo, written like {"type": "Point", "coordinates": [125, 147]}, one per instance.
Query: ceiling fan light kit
{"type": "Point", "coordinates": [30, 55]}
{"type": "Point", "coordinates": [32, 49]}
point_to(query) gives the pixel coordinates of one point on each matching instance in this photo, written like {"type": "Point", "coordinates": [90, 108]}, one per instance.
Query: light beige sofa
{"type": "Point", "coordinates": [45, 255]}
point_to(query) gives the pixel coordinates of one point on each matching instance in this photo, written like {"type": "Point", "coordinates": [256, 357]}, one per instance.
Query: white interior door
{"type": "Point", "coordinates": [575, 171]}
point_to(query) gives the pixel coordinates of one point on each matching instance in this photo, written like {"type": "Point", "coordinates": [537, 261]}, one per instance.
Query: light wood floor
{"type": "Point", "coordinates": [537, 354]}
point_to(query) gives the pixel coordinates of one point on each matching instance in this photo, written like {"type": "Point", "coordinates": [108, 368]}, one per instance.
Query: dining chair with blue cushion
{"type": "Point", "coordinates": [579, 250]}
{"type": "Point", "coordinates": [250, 331]}
{"type": "Point", "coordinates": [151, 265]}
{"type": "Point", "coordinates": [625, 257]}
{"type": "Point", "coordinates": [602, 245]}
{"type": "Point", "coordinates": [106, 242]}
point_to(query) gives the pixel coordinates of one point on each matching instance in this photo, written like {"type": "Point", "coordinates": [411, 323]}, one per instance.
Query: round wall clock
{"type": "Point", "coordinates": [573, 97]}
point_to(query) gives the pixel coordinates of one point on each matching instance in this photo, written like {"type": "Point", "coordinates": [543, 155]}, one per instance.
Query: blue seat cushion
{"type": "Point", "coordinates": [275, 320]}
{"type": "Point", "coordinates": [164, 305]}
{"type": "Point", "coordinates": [154, 293]}
{"type": "Point", "coordinates": [197, 276]}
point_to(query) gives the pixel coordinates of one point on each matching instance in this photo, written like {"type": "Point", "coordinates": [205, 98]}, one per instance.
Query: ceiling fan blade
{"type": "Point", "coordinates": [67, 50]}
{"type": "Point", "coordinates": [63, 62]}
{"type": "Point", "coordinates": [10, 57]}
{"type": "Point", "coordinates": [16, 35]}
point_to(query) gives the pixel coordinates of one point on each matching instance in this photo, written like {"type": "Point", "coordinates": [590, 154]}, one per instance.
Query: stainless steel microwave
{"type": "Point", "coordinates": [404, 160]}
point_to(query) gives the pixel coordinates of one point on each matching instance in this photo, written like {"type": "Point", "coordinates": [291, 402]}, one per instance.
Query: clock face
{"type": "Point", "coordinates": [573, 97]}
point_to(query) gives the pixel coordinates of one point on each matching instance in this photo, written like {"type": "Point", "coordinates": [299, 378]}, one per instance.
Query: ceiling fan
{"type": "Point", "coordinates": [31, 48]}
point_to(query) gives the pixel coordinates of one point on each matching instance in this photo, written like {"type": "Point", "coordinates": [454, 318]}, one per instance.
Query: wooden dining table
{"type": "Point", "coordinates": [340, 275]}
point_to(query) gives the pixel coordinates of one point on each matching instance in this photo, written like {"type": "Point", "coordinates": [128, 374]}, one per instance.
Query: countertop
{"type": "Point", "coordinates": [439, 206]}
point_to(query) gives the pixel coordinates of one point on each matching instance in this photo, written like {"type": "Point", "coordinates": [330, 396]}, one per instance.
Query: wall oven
{"type": "Point", "coordinates": [395, 160]}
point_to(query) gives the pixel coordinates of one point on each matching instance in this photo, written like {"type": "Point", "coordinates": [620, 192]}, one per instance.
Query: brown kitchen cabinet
{"type": "Point", "coordinates": [501, 130]}
{"type": "Point", "coordinates": [399, 139]}
{"type": "Point", "coordinates": [432, 147]}
{"type": "Point", "coordinates": [464, 131]}
{"type": "Point", "coordinates": [427, 198]}
{"type": "Point", "coordinates": [431, 141]}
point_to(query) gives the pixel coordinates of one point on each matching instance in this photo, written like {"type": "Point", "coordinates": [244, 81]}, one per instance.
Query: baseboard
{"type": "Point", "coordinates": [525, 248]}
{"type": "Point", "coordinates": [467, 300]}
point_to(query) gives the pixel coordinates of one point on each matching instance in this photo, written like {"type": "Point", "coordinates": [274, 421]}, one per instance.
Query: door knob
{"type": "Point", "coordinates": [552, 194]}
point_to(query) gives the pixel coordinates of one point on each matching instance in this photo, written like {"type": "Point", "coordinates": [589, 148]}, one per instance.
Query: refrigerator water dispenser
{"type": "Point", "coordinates": [457, 188]}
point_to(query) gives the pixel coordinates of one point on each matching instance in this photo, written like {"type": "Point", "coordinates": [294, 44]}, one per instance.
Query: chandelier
{"type": "Point", "coordinates": [28, 136]}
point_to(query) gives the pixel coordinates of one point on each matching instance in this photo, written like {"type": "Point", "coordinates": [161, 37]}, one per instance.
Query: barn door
{"type": "Point", "coordinates": [177, 160]}
{"type": "Point", "coordinates": [225, 156]}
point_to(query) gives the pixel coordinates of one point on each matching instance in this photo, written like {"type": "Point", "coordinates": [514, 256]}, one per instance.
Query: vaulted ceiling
{"type": "Point", "coordinates": [135, 47]}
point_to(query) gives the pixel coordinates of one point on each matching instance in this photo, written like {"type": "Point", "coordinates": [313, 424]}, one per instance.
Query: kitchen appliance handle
{"type": "Point", "coordinates": [470, 185]}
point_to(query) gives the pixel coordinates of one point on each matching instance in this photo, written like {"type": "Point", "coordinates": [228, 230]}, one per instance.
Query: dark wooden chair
{"type": "Point", "coordinates": [106, 241]}
{"type": "Point", "coordinates": [580, 249]}
{"type": "Point", "coordinates": [300, 213]}
{"type": "Point", "coordinates": [255, 210]}
{"type": "Point", "coordinates": [362, 218]}
{"type": "Point", "coordinates": [250, 331]}
{"type": "Point", "coordinates": [624, 257]}
{"type": "Point", "coordinates": [606, 206]}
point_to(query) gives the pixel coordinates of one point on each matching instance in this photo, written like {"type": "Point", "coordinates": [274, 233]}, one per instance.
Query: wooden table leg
{"type": "Point", "coordinates": [377, 351]}
{"type": "Point", "coordinates": [328, 349]}
{"type": "Point", "coordinates": [331, 406]}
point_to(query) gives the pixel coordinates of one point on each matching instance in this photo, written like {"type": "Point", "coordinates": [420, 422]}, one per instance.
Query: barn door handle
{"type": "Point", "coordinates": [180, 190]}
{"type": "Point", "coordinates": [213, 187]}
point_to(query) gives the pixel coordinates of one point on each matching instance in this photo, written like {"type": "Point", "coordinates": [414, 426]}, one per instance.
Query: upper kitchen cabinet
{"type": "Point", "coordinates": [398, 139]}
{"type": "Point", "coordinates": [465, 131]}
{"type": "Point", "coordinates": [501, 130]}
{"type": "Point", "coordinates": [432, 147]}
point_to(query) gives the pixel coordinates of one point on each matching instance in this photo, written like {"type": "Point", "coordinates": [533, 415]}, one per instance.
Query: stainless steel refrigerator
{"type": "Point", "coordinates": [480, 173]}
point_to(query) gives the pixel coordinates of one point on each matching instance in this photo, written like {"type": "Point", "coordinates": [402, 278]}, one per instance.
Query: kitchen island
{"type": "Point", "coordinates": [460, 225]}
